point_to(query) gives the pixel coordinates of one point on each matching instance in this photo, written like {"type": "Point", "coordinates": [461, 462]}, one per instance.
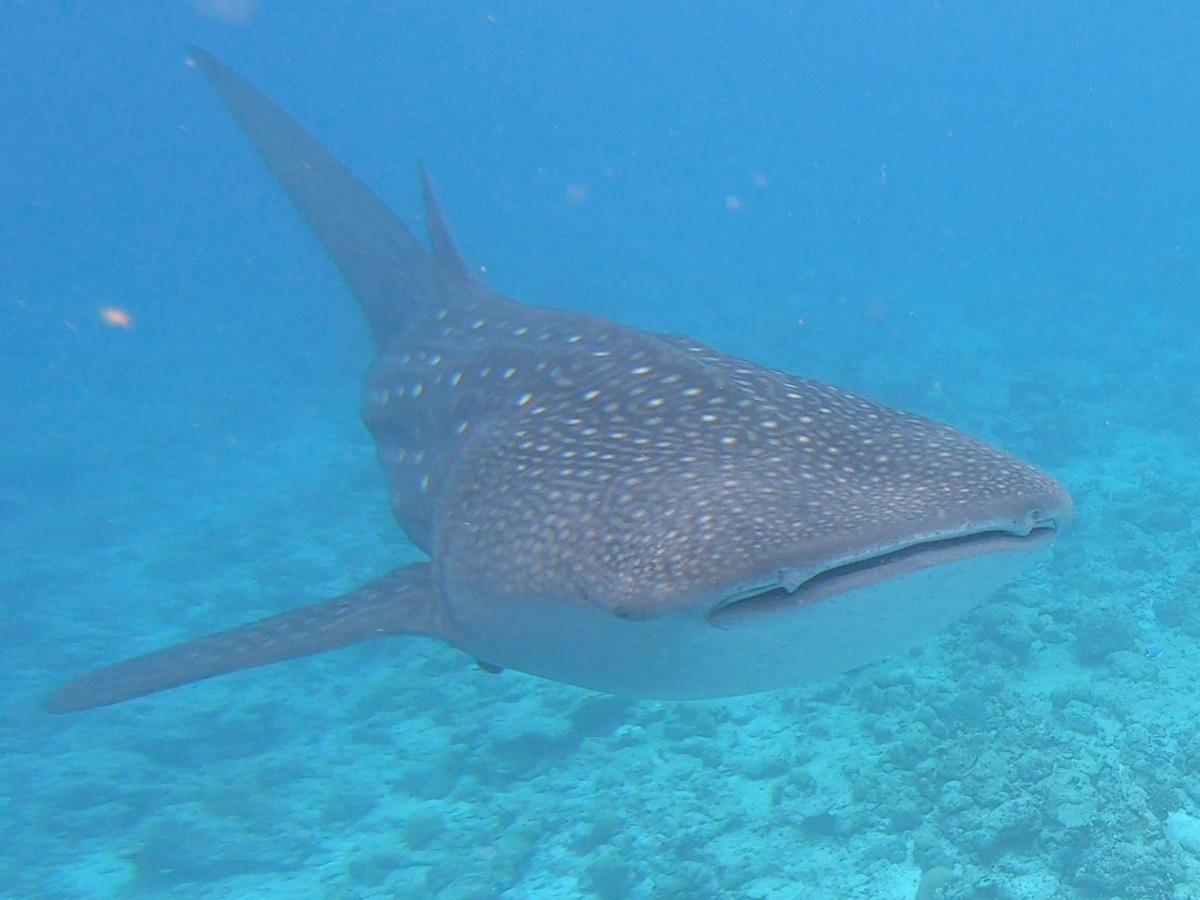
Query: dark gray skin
{"type": "Point", "coordinates": [629, 512]}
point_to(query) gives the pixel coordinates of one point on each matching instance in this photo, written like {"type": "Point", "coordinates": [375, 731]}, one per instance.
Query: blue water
{"type": "Point", "coordinates": [985, 213]}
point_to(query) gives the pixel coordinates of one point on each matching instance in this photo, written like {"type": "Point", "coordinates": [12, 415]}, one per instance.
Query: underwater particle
{"type": "Point", "coordinates": [235, 12]}
{"type": "Point", "coordinates": [115, 317]}
{"type": "Point", "coordinates": [733, 202]}
{"type": "Point", "coordinates": [576, 193]}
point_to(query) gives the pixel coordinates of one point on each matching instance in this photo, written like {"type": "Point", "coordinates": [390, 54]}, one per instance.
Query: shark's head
{"type": "Point", "coordinates": [713, 526]}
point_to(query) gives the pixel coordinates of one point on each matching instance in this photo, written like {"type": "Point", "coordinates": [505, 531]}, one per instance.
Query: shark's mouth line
{"type": "Point", "coordinates": [871, 570]}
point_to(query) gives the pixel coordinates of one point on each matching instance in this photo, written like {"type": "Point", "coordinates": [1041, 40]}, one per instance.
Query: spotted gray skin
{"type": "Point", "coordinates": [630, 512]}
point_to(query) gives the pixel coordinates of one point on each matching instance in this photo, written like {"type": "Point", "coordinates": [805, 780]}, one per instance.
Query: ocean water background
{"type": "Point", "coordinates": [984, 213]}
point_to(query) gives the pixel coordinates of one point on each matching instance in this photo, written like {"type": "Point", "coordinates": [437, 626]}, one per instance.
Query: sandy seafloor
{"type": "Point", "coordinates": [1045, 747]}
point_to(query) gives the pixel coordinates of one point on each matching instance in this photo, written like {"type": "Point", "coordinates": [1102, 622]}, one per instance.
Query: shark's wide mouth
{"type": "Point", "coordinates": [881, 567]}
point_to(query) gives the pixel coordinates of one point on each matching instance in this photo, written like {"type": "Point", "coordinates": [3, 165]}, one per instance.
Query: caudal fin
{"type": "Point", "coordinates": [401, 602]}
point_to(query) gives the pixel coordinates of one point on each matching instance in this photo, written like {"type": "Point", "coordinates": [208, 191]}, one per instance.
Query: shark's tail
{"type": "Point", "coordinates": [384, 264]}
{"type": "Point", "coordinates": [401, 602]}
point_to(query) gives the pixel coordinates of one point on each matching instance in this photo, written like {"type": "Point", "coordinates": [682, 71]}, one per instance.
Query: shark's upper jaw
{"type": "Point", "coordinates": [788, 592]}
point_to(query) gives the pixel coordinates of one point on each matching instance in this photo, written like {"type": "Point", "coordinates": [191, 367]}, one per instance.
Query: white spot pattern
{"type": "Point", "coordinates": [565, 454]}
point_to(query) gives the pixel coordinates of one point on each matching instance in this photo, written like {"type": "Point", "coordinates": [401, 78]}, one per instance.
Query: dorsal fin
{"type": "Point", "coordinates": [445, 251]}
{"type": "Point", "coordinates": [381, 259]}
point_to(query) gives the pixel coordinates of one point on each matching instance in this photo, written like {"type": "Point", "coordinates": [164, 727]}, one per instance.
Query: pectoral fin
{"type": "Point", "coordinates": [401, 602]}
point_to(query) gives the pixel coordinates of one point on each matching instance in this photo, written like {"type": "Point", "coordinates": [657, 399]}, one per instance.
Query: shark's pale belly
{"type": "Point", "coordinates": [687, 657]}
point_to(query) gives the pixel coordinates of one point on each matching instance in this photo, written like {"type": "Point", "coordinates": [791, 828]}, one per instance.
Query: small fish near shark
{"type": "Point", "coordinates": [634, 513]}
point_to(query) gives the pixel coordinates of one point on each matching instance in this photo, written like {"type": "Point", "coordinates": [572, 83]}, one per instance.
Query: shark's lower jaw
{"type": "Point", "coordinates": [848, 617]}
{"type": "Point", "coordinates": [876, 568]}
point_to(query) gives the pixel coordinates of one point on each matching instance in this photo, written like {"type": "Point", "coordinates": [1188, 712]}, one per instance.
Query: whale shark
{"type": "Point", "coordinates": [629, 512]}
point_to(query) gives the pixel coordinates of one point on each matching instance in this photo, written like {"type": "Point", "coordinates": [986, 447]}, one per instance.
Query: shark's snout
{"type": "Point", "coordinates": [1034, 500]}
{"type": "Point", "coordinates": [1055, 510]}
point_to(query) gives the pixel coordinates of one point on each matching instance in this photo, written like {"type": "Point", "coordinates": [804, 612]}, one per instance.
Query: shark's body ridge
{"type": "Point", "coordinates": [629, 512]}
